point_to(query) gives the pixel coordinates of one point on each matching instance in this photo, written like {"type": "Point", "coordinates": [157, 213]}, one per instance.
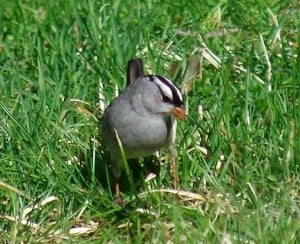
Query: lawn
{"type": "Point", "coordinates": [238, 66]}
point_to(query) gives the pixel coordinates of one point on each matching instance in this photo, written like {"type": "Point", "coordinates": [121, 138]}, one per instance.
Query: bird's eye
{"type": "Point", "coordinates": [166, 99]}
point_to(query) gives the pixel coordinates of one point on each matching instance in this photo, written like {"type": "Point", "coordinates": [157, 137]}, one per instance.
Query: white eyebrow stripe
{"type": "Point", "coordinates": [163, 87]}
{"type": "Point", "coordinates": [174, 89]}
{"type": "Point", "coordinates": [167, 88]}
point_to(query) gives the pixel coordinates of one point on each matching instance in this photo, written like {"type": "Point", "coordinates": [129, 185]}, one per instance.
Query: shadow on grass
{"type": "Point", "coordinates": [140, 169]}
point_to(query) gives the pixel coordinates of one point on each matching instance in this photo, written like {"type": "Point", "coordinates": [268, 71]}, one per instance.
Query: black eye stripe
{"type": "Point", "coordinates": [176, 98]}
{"type": "Point", "coordinates": [165, 98]}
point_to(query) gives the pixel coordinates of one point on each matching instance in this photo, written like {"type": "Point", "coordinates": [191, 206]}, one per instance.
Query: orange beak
{"type": "Point", "coordinates": [179, 112]}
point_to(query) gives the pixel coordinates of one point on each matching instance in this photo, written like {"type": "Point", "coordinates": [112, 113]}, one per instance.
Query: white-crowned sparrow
{"type": "Point", "coordinates": [141, 118]}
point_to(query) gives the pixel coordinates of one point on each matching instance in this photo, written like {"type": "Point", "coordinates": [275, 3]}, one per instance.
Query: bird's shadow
{"type": "Point", "coordinates": [139, 170]}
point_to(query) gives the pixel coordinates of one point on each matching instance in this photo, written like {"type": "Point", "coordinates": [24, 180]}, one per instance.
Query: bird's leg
{"type": "Point", "coordinates": [174, 169]}
{"type": "Point", "coordinates": [118, 199]}
{"type": "Point", "coordinates": [117, 188]}
{"type": "Point", "coordinates": [172, 151]}
{"type": "Point", "coordinates": [116, 170]}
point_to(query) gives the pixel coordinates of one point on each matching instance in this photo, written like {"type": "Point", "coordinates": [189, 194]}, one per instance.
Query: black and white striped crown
{"type": "Point", "coordinates": [169, 90]}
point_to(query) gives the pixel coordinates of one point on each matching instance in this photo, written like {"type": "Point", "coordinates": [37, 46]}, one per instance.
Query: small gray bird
{"type": "Point", "coordinates": [141, 117]}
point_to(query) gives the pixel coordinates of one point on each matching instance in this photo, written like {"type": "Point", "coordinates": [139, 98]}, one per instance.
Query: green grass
{"type": "Point", "coordinates": [238, 151]}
